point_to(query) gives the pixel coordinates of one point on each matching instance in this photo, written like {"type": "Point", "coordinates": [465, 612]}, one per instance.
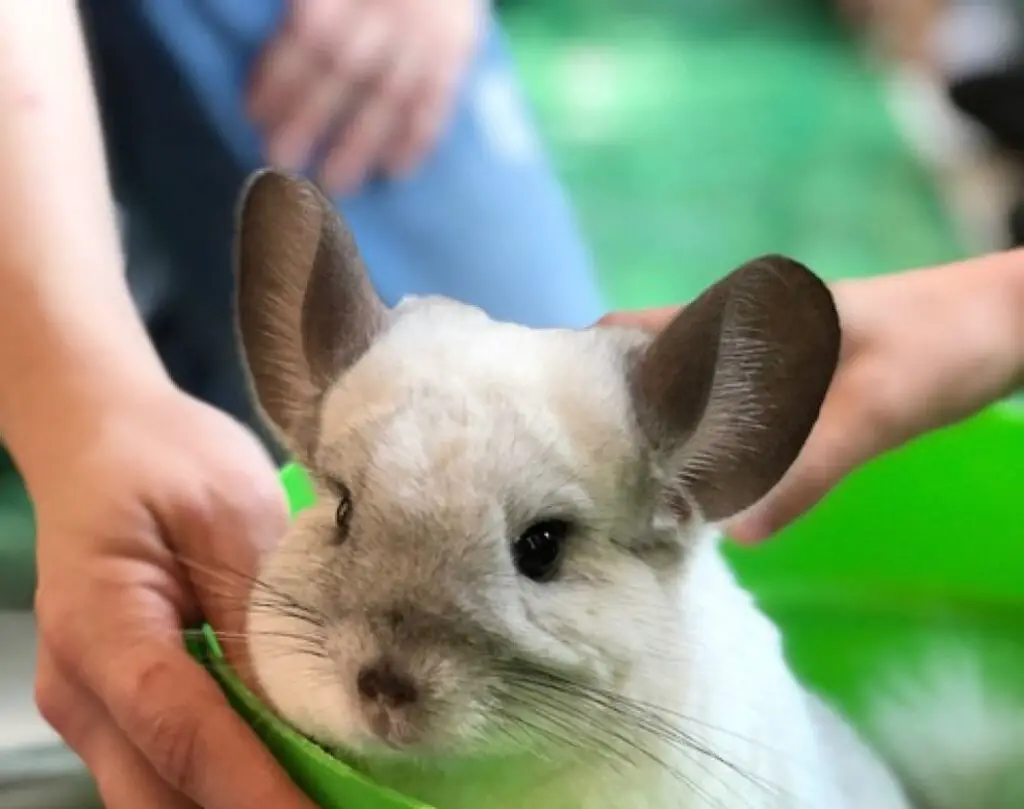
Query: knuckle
{"type": "Point", "coordinates": [60, 703]}
{"type": "Point", "coordinates": [248, 500]}
{"type": "Point", "coordinates": [56, 620]}
{"type": "Point", "coordinates": [234, 505]}
{"type": "Point", "coordinates": [50, 697]}
{"type": "Point", "coordinates": [200, 506]}
{"type": "Point", "coordinates": [171, 737]}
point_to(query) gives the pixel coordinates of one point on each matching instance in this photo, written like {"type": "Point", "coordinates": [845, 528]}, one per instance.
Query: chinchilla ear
{"type": "Point", "coordinates": [305, 307]}
{"type": "Point", "coordinates": [728, 393]}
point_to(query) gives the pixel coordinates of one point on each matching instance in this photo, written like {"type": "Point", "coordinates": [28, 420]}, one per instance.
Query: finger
{"type": "Point", "coordinates": [330, 36]}
{"type": "Point", "coordinates": [839, 443]}
{"type": "Point", "coordinates": [415, 138]}
{"type": "Point", "coordinates": [278, 80]}
{"type": "Point", "coordinates": [309, 38]}
{"type": "Point", "coordinates": [172, 710]}
{"type": "Point", "coordinates": [432, 101]}
{"type": "Point", "coordinates": [364, 139]}
{"type": "Point", "coordinates": [328, 93]}
{"type": "Point", "coordinates": [124, 778]}
{"type": "Point", "coordinates": [292, 141]}
{"type": "Point", "coordinates": [650, 319]}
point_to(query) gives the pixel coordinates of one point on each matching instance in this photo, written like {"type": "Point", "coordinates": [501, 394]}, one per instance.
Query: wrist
{"type": "Point", "coordinates": [62, 388]}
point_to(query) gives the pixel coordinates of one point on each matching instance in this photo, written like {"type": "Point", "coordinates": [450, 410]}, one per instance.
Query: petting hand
{"type": "Point", "coordinates": [921, 350]}
{"type": "Point", "coordinates": [367, 83]}
{"type": "Point", "coordinates": [152, 512]}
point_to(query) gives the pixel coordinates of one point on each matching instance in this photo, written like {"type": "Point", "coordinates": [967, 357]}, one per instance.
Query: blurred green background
{"type": "Point", "coordinates": [695, 135]}
{"type": "Point", "coordinates": [691, 137]}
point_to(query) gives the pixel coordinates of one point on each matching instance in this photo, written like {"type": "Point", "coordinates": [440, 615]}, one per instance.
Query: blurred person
{"type": "Point", "coordinates": [981, 46]}
{"type": "Point", "coordinates": [408, 111]}
{"type": "Point", "coordinates": [153, 506]}
{"type": "Point", "coordinates": [921, 350]}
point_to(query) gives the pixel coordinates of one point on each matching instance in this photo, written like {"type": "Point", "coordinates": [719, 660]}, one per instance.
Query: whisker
{"type": "Point", "coordinates": [640, 717]}
{"type": "Point", "coordinates": [586, 725]}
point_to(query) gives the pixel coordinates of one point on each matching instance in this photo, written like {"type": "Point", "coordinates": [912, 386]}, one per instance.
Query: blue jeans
{"type": "Point", "coordinates": [484, 220]}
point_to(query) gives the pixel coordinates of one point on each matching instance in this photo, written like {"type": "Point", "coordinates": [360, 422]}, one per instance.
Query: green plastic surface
{"type": "Point", "coordinates": [329, 782]}
{"type": "Point", "coordinates": [919, 549]}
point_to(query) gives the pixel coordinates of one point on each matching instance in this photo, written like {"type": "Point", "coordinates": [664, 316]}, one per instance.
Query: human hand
{"type": "Point", "coordinates": [371, 82]}
{"type": "Point", "coordinates": [921, 350]}
{"type": "Point", "coordinates": [152, 510]}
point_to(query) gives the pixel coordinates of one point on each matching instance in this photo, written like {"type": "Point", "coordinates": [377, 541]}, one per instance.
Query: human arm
{"type": "Point", "coordinates": [921, 350]}
{"type": "Point", "coordinates": [129, 477]}
{"type": "Point", "coordinates": [66, 315]}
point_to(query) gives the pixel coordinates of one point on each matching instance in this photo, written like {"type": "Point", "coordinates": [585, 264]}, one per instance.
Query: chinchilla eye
{"type": "Point", "coordinates": [343, 513]}
{"type": "Point", "coordinates": [538, 552]}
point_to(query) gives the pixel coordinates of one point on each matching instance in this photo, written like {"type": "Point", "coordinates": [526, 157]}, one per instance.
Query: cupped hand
{"type": "Point", "coordinates": [151, 514]}
{"type": "Point", "coordinates": [369, 84]}
{"type": "Point", "coordinates": [921, 350]}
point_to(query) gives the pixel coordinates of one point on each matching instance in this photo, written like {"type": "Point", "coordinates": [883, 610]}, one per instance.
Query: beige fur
{"type": "Point", "coordinates": [640, 675]}
{"type": "Point", "coordinates": [411, 429]}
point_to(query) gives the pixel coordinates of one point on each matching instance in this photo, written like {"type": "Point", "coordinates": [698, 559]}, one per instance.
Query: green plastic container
{"type": "Point", "coordinates": [920, 548]}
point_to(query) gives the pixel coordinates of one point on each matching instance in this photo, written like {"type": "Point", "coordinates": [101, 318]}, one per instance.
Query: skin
{"type": "Point", "coordinates": [129, 477]}
{"type": "Point", "coordinates": [922, 349]}
{"type": "Point", "coordinates": [371, 82]}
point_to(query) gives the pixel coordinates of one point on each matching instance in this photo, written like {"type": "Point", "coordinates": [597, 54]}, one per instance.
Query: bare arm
{"type": "Point", "coordinates": [128, 475]}
{"type": "Point", "coordinates": [69, 331]}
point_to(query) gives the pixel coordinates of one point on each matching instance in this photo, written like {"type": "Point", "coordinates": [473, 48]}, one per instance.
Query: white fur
{"type": "Point", "coordinates": [453, 434]}
{"type": "Point", "coordinates": [687, 642]}
{"type": "Point", "coordinates": [954, 734]}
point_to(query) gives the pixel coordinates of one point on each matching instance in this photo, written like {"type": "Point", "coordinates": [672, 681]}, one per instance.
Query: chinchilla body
{"type": "Point", "coordinates": [509, 593]}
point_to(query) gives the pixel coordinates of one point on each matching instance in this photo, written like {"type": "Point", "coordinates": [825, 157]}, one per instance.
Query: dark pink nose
{"type": "Point", "coordinates": [381, 683]}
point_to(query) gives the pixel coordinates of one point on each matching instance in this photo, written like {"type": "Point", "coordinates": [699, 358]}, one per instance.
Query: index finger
{"type": "Point", "coordinates": [174, 712]}
{"type": "Point", "coordinates": [839, 443]}
{"type": "Point", "coordinates": [280, 73]}
{"type": "Point", "coordinates": [654, 319]}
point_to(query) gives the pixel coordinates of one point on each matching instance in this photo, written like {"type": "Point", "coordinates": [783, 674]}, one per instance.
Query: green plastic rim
{"type": "Point", "coordinates": [331, 783]}
{"type": "Point", "coordinates": [921, 548]}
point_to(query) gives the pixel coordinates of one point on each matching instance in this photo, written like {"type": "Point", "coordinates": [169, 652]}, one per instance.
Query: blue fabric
{"type": "Point", "coordinates": [484, 220]}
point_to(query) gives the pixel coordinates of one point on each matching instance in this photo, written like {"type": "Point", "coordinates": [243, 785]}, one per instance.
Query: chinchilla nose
{"type": "Point", "coordinates": [383, 684]}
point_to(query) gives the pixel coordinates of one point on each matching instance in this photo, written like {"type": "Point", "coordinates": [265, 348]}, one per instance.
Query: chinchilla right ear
{"type": "Point", "coordinates": [728, 392]}
{"type": "Point", "coordinates": [305, 307]}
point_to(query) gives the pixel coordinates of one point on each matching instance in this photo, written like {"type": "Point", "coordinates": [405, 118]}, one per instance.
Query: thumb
{"type": "Point", "coordinates": [835, 448]}
{"type": "Point", "coordinates": [650, 319]}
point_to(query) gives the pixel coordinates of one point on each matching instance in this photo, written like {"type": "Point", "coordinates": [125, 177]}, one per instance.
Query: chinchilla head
{"type": "Point", "coordinates": [505, 515]}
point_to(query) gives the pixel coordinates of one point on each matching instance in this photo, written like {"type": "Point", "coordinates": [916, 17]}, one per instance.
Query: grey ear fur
{"type": "Point", "coordinates": [305, 307]}
{"type": "Point", "coordinates": [728, 392]}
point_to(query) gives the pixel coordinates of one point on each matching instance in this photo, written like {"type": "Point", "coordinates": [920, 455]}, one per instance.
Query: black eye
{"type": "Point", "coordinates": [343, 514]}
{"type": "Point", "coordinates": [538, 552]}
